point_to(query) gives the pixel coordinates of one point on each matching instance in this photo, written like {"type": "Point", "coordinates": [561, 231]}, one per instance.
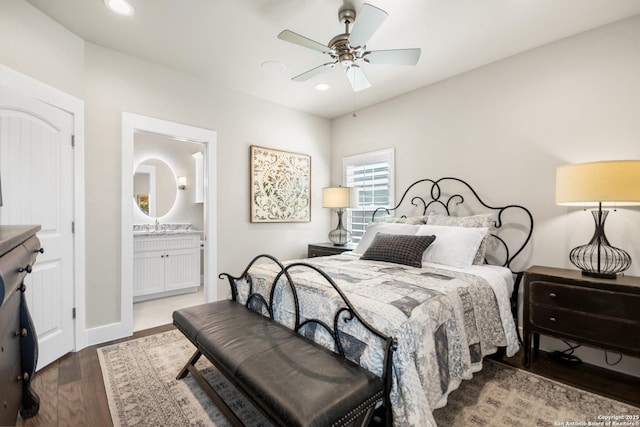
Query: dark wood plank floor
{"type": "Point", "coordinates": [72, 390]}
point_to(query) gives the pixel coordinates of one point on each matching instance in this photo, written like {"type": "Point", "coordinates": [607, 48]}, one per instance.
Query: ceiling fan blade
{"type": "Point", "coordinates": [357, 78]}
{"type": "Point", "coordinates": [393, 56]}
{"type": "Point", "coordinates": [296, 38]}
{"type": "Point", "coordinates": [367, 22]}
{"type": "Point", "coordinates": [313, 72]}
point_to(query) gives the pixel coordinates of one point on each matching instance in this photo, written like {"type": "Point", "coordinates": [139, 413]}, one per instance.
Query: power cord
{"type": "Point", "coordinates": [566, 356]}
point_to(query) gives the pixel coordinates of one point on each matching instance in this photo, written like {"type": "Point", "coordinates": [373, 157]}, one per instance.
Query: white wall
{"type": "Point", "coordinates": [33, 44]}
{"type": "Point", "coordinates": [111, 83]}
{"type": "Point", "coordinates": [114, 83]}
{"type": "Point", "coordinates": [505, 127]}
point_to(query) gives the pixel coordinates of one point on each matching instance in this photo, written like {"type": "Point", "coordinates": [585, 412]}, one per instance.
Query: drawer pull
{"type": "Point", "coordinates": [28, 269]}
{"type": "Point", "coordinates": [553, 319]}
{"type": "Point", "coordinates": [552, 294]}
{"type": "Point", "coordinates": [22, 332]}
{"type": "Point", "coordinates": [41, 250]}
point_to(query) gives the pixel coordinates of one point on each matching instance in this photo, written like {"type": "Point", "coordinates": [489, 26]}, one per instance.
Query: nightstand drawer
{"type": "Point", "coordinates": [589, 327]}
{"type": "Point", "coordinates": [315, 252]}
{"type": "Point", "coordinates": [327, 249]}
{"type": "Point", "coordinates": [586, 300]}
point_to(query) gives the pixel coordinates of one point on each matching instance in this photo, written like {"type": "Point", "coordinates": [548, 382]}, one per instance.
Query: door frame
{"type": "Point", "coordinates": [39, 91]}
{"type": "Point", "coordinates": [132, 123]}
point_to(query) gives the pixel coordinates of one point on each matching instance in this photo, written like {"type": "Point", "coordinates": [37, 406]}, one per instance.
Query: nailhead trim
{"type": "Point", "coordinates": [359, 410]}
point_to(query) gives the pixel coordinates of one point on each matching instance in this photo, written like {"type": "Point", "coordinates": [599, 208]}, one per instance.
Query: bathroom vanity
{"type": "Point", "coordinates": [166, 261]}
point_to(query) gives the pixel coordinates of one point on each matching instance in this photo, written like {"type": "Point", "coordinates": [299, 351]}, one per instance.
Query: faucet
{"type": "Point", "coordinates": [157, 224]}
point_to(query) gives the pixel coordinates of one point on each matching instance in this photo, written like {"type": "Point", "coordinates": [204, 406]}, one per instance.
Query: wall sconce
{"type": "Point", "coordinates": [182, 182]}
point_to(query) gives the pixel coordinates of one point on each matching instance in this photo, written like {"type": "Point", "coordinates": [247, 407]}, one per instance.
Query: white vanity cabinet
{"type": "Point", "coordinates": [165, 264]}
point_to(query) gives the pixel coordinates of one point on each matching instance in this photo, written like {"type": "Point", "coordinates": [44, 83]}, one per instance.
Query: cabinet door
{"type": "Point", "coordinates": [182, 268]}
{"type": "Point", "coordinates": [148, 272]}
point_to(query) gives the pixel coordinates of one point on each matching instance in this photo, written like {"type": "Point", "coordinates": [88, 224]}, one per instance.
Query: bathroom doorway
{"type": "Point", "coordinates": [168, 183]}
{"type": "Point", "coordinates": [180, 207]}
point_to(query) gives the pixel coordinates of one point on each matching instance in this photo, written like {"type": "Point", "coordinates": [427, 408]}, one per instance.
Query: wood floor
{"type": "Point", "coordinates": [72, 390]}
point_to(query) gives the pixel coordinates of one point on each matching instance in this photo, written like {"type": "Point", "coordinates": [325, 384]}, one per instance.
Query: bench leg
{"type": "Point", "coordinates": [204, 384]}
{"type": "Point", "coordinates": [194, 359]}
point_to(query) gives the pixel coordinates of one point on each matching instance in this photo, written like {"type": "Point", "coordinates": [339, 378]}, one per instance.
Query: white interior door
{"type": "Point", "coordinates": [36, 167]}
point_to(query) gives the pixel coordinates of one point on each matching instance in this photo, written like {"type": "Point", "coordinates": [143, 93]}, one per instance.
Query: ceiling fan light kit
{"type": "Point", "coordinates": [349, 49]}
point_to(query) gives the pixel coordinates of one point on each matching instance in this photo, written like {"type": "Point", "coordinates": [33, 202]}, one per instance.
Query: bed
{"type": "Point", "coordinates": [448, 306]}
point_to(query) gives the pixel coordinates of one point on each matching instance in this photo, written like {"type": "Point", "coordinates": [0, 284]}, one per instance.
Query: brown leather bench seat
{"type": "Point", "coordinates": [292, 380]}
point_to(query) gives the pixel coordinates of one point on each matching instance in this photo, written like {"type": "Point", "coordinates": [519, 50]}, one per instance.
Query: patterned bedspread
{"type": "Point", "coordinates": [445, 322]}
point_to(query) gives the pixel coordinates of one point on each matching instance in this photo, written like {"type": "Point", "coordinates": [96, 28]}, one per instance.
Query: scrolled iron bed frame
{"type": "Point", "coordinates": [442, 195]}
{"type": "Point", "coordinates": [344, 313]}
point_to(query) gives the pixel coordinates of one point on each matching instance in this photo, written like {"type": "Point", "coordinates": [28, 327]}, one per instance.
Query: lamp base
{"type": "Point", "coordinates": [340, 236]}
{"type": "Point", "coordinates": [598, 258]}
{"type": "Point", "coordinates": [599, 275]}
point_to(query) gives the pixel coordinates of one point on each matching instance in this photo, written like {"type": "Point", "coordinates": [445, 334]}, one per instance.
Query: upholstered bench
{"type": "Point", "coordinates": [291, 379]}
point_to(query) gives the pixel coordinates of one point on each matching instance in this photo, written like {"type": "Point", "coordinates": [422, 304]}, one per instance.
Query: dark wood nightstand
{"type": "Point", "coordinates": [602, 313]}
{"type": "Point", "coordinates": [326, 249]}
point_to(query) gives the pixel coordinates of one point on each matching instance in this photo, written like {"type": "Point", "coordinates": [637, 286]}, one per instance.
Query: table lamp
{"type": "Point", "coordinates": [340, 198]}
{"type": "Point", "coordinates": [607, 183]}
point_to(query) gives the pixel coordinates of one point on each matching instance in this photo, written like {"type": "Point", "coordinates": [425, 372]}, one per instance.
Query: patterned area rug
{"type": "Point", "coordinates": [139, 377]}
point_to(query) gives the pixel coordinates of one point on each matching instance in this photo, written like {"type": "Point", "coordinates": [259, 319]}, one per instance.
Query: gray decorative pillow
{"type": "Point", "coordinates": [475, 221]}
{"type": "Point", "coordinates": [398, 248]}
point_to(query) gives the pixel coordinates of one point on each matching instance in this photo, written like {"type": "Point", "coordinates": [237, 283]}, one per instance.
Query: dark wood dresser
{"type": "Point", "coordinates": [19, 247]}
{"type": "Point", "coordinates": [326, 249]}
{"type": "Point", "coordinates": [601, 313]}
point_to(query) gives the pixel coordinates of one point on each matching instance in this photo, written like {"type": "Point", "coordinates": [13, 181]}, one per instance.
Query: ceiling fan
{"type": "Point", "coordinates": [349, 49]}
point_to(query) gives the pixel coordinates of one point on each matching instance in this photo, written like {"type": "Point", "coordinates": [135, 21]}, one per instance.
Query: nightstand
{"type": "Point", "coordinates": [326, 249]}
{"type": "Point", "coordinates": [602, 313]}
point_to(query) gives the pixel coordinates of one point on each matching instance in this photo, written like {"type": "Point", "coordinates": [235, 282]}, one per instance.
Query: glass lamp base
{"type": "Point", "coordinates": [340, 236]}
{"type": "Point", "coordinates": [598, 258]}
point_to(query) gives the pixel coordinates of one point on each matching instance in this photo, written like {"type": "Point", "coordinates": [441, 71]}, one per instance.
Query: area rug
{"type": "Point", "coordinates": [142, 390]}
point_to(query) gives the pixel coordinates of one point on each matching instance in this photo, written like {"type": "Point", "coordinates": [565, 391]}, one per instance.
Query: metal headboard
{"type": "Point", "coordinates": [513, 223]}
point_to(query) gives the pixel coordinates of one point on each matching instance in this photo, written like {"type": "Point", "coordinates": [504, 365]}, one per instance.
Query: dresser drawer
{"type": "Point", "coordinates": [10, 265]}
{"type": "Point", "coordinates": [599, 330]}
{"type": "Point", "coordinates": [587, 300]}
{"type": "Point", "coordinates": [10, 395]}
{"type": "Point", "coordinates": [10, 387]}
{"type": "Point", "coordinates": [32, 245]}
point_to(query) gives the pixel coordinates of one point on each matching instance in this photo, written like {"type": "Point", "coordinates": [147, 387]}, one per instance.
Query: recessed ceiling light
{"type": "Point", "coordinates": [322, 86]}
{"type": "Point", "coordinates": [121, 7]}
{"type": "Point", "coordinates": [273, 67]}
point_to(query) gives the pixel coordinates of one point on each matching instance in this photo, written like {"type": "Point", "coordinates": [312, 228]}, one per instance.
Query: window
{"type": "Point", "coordinates": [372, 173]}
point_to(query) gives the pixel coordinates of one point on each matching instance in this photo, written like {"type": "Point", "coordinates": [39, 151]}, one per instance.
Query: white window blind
{"type": "Point", "coordinates": [372, 173]}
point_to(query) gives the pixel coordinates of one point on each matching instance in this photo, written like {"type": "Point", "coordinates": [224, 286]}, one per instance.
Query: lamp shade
{"type": "Point", "coordinates": [609, 182]}
{"type": "Point", "coordinates": [339, 197]}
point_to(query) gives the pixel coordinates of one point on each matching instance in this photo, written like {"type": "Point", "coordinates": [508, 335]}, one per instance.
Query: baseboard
{"type": "Point", "coordinates": [105, 333]}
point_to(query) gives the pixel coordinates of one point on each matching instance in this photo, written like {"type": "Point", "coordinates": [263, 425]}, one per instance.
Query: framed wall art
{"type": "Point", "coordinates": [280, 186]}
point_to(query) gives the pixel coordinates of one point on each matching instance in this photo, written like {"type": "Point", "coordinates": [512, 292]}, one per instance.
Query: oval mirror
{"type": "Point", "coordinates": [154, 188]}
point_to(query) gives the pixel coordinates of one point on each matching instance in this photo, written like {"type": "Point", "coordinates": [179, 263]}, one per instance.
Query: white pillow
{"type": "Point", "coordinates": [383, 227]}
{"type": "Point", "coordinates": [454, 246]}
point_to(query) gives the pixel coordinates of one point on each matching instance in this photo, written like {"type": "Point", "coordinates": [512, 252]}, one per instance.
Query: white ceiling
{"type": "Point", "coordinates": [226, 41]}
